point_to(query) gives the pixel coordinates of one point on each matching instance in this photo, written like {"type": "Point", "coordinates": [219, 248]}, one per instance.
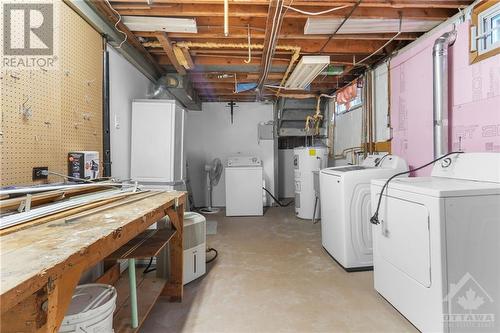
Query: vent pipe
{"type": "Point", "coordinates": [440, 92]}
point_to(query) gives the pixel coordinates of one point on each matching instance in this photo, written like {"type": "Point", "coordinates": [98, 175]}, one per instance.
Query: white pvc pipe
{"type": "Point", "coordinates": [226, 18]}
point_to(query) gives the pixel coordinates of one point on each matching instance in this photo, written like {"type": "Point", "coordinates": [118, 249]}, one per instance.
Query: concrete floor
{"type": "Point", "coordinates": [272, 275]}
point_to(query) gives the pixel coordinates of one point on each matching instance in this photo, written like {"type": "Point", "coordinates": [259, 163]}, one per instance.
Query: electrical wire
{"type": "Point", "coordinates": [275, 29]}
{"type": "Point", "coordinates": [316, 13]}
{"type": "Point", "coordinates": [374, 219]}
{"type": "Point", "coordinates": [400, 30]}
{"type": "Point", "coordinates": [211, 249]}
{"type": "Point", "coordinates": [67, 177]}
{"type": "Point", "coordinates": [340, 25]}
{"type": "Point", "coordinates": [116, 24]}
{"type": "Point", "coordinates": [148, 268]}
{"type": "Point", "coordinates": [379, 162]}
{"type": "Point", "coordinates": [276, 200]}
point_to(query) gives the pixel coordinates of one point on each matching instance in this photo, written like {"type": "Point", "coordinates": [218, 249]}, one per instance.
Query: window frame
{"type": "Point", "coordinates": [483, 14]}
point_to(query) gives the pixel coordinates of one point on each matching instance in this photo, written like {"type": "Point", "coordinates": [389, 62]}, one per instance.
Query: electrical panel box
{"type": "Point", "coordinates": [83, 164]}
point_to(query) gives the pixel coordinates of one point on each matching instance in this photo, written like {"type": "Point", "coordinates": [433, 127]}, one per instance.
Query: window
{"type": "Point", "coordinates": [352, 104]}
{"type": "Point", "coordinates": [485, 31]}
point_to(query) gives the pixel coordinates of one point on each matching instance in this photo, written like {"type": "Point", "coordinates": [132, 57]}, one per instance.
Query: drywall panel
{"type": "Point", "coordinates": [381, 103]}
{"type": "Point", "coordinates": [210, 134]}
{"type": "Point", "coordinates": [65, 103]}
{"type": "Point", "coordinates": [474, 100]}
{"type": "Point", "coordinates": [126, 83]}
{"type": "Point", "coordinates": [347, 132]}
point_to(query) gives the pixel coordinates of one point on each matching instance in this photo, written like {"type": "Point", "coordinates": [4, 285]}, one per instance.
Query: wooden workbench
{"type": "Point", "coordinates": [40, 266]}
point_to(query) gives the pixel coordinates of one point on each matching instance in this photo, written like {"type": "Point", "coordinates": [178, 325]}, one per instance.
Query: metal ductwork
{"type": "Point", "coordinates": [180, 87]}
{"type": "Point", "coordinates": [440, 92]}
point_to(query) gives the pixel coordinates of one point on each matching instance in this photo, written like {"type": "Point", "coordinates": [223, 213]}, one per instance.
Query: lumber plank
{"type": "Point", "coordinates": [110, 276]}
{"type": "Point", "coordinates": [149, 288]}
{"type": "Point", "coordinates": [146, 245]}
{"type": "Point", "coordinates": [173, 289]}
{"type": "Point", "coordinates": [67, 246]}
{"type": "Point", "coordinates": [166, 44]}
{"type": "Point", "coordinates": [46, 197]}
{"type": "Point", "coordinates": [65, 213]}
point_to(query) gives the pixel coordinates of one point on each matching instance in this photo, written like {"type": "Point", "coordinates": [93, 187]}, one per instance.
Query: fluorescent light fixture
{"type": "Point", "coordinates": [306, 71]}
{"type": "Point", "coordinates": [167, 24]}
{"type": "Point", "coordinates": [323, 26]}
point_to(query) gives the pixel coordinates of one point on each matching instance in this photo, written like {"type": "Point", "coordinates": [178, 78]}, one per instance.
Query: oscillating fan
{"type": "Point", "coordinates": [214, 172]}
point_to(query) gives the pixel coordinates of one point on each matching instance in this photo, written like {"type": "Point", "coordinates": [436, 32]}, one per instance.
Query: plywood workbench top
{"type": "Point", "coordinates": [28, 255]}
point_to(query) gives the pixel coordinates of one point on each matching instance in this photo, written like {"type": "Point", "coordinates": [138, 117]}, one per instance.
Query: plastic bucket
{"type": "Point", "coordinates": [91, 309]}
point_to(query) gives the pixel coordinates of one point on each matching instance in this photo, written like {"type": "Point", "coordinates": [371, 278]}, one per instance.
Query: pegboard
{"type": "Point", "coordinates": [66, 104]}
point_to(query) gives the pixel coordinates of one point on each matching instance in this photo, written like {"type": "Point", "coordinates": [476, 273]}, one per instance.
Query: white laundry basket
{"type": "Point", "coordinates": [91, 309]}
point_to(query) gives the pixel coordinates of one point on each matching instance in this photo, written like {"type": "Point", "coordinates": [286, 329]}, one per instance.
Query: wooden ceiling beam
{"type": "Point", "coordinates": [221, 60]}
{"type": "Point", "coordinates": [197, 10]}
{"type": "Point", "coordinates": [230, 85]}
{"type": "Point", "coordinates": [167, 47]}
{"type": "Point", "coordinates": [320, 81]}
{"type": "Point", "coordinates": [324, 3]}
{"type": "Point", "coordinates": [313, 46]}
{"type": "Point", "coordinates": [218, 32]}
{"type": "Point", "coordinates": [111, 17]}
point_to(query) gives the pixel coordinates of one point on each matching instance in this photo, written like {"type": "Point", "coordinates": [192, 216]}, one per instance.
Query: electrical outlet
{"type": "Point", "coordinates": [39, 174]}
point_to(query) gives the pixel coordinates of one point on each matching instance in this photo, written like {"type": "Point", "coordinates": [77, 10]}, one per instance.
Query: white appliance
{"type": "Point", "coordinates": [194, 242]}
{"type": "Point", "coordinates": [286, 184]}
{"type": "Point", "coordinates": [157, 142]}
{"type": "Point", "coordinates": [436, 249]}
{"type": "Point", "coordinates": [194, 245]}
{"type": "Point", "coordinates": [305, 161]}
{"type": "Point", "coordinates": [345, 215]}
{"type": "Point", "coordinates": [244, 178]}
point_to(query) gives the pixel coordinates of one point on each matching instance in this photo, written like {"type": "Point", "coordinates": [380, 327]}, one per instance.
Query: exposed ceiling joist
{"type": "Point", "coordinates": [166, 44]}
{"type": "Point", "coordinates": [212, 68]}
{"type": "Point", "coordinates": [323, 3]}
{"type": "Point", "coordinates": [261, 11]}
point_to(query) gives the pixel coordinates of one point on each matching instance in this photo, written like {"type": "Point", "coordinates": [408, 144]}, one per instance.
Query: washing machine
{"type": "Point", "coordinates": [345, 213]}
{"type": "Point", "coordinates": [306, 160]}
{"type": "Point", "coordinates": [437, 246]}
{"type": "Point", "coordinates": [244, 180]}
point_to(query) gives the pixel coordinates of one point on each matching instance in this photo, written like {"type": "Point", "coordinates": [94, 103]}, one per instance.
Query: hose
{"type": "Point", "coordinates": [374, 218]}
{"type": "Point", "coordinates": [211, 249]}
{"type": "Point", "coordinates": [276, 200]}
{"type": "Point", "coordinates": [148, 268]}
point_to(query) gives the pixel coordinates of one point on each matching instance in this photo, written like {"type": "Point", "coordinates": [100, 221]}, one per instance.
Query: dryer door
{"type": "Point", "coordinates": [405, 238]}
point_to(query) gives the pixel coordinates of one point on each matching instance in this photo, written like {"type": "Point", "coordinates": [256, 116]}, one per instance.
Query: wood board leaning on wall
{"type": "Point", "coordinates": [65, 102]}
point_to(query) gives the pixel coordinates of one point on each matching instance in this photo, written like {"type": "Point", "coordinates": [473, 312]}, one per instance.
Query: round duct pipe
{"type": "Point", "coordinates": [440, 92]}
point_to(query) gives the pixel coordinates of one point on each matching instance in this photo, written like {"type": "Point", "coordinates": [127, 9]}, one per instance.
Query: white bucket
{"type": "Point", "coordinates": [91, 309]}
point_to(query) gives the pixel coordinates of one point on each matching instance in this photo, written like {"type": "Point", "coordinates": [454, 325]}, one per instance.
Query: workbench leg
{"type": "Point", "coordinates": [60, 292]}
{"type": "Point", "coordinates": [133, 293]}
{"type": "Point", "coordinates": [174, 287]}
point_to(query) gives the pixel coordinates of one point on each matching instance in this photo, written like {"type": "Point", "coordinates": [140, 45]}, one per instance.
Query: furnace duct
{"type": "Point", "coordinates": [440, 92]}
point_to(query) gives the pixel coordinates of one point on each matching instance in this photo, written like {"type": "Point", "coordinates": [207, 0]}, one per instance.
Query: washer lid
{"type": "Point", "coordinates": [243, 161]}
{"type": "Point", "coordinates": [440, 186]}
{"type": "Point", "coordinates": [342, 169]}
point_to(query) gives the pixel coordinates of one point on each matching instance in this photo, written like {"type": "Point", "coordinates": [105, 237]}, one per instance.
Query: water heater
{"type": "Point", "coordinates": [305, 161]}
